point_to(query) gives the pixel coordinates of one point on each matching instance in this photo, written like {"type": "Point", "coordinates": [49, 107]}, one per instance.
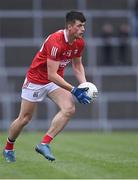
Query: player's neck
{"type": "Point", "coordinates": [70, 37]}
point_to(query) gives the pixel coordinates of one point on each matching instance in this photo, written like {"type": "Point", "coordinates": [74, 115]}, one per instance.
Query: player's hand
{"type": "Point", "coordinates": [80, 94]}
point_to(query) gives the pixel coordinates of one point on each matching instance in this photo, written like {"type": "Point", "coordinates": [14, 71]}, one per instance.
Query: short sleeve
{"type": "Point", "coordinates": [53, 49]}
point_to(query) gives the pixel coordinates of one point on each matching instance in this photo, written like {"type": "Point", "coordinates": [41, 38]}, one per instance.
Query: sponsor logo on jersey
{"type": "Point", "coordinates": [64, 63]}
{"type": "Point", "coordinates": [75, 51]}
{"type": "Point", "coordinates": [69, 53]}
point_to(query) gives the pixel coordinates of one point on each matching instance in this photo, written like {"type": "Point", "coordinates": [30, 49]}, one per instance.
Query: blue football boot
{"type": "Point", "coordinates": [44, 149]}
{"type": "Point", "coordinates": [9, 155]}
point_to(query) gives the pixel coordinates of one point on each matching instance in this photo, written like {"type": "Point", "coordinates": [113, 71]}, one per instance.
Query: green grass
{"type": "Point", "coordinates": [79, 155]}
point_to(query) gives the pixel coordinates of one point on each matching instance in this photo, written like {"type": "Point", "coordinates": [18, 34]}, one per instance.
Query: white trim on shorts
{"type": "Point", "coordinates": [36, 92]}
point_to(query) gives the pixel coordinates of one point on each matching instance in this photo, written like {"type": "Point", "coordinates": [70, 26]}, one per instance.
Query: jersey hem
{"type": "Point", "coordinates": [39, 83]}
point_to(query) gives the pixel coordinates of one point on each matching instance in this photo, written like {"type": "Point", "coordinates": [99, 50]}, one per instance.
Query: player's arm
{"type": "Point", "coordinates": [52, 68]}
{"type": "Point", "coordinates": [79, 93]}
{"type": "Point", "coordinates": [78, 69]}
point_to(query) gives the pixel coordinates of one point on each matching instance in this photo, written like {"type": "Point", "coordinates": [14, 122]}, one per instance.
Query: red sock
{"type": "Point", "coordinates": [9, 145]}
{"type": "Point", "coordinates": [46, 139]}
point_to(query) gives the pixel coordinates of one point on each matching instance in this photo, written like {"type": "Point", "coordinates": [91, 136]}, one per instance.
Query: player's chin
{"type": "Point", "coordinates": [80, 36]}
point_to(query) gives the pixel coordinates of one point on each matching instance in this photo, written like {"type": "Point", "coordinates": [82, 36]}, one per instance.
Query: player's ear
{"type": "Point", "coordinates": [69, 26]}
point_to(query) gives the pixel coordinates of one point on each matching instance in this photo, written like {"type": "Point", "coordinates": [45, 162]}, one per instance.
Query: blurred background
{"type": "Point", "coordinates": [110, 59]}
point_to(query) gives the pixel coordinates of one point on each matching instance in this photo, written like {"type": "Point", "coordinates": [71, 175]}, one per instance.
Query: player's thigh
{"type": "Point", "coordinates": [62, 98]}
{"type": "Point", "coordinates": [27, 108]}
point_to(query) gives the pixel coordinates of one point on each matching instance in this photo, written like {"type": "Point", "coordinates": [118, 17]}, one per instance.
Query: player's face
{"type": "Point", "coordinates": [77, 29]}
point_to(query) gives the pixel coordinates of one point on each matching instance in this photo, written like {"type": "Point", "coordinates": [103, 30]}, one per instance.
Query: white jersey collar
{"type": "Point", "coordinates": [65, 35]}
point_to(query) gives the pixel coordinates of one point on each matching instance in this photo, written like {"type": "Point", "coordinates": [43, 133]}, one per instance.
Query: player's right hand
{"type": "Point", "coordinates": [80, 94]}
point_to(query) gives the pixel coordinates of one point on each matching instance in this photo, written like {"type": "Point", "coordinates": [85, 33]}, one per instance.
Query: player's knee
{"type": "Point", "coordinates": [69, 110]}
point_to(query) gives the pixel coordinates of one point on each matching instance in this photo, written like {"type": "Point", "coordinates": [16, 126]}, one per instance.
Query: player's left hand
{"type": "Point", "coordinates": [80, 94]}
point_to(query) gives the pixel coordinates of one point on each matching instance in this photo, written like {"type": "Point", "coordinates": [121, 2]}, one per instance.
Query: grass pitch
{"type": "Point", "coordinates": [80, 155]}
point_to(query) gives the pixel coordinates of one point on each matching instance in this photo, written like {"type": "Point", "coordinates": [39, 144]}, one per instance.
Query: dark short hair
{"type": "Point", "coordinates": [74, 15]}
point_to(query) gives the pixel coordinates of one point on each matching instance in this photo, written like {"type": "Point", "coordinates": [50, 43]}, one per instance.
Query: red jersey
{"type": "Point", "coordinates": [57, 48]}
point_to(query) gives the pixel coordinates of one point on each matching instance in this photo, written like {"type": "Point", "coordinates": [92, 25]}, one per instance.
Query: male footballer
{"type": "Point", "coordinates": [45, 79]}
